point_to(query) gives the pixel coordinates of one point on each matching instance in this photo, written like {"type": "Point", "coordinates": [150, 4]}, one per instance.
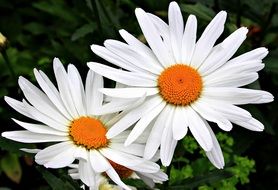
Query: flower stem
{"type": "Point", "coordinates": [6, 59]}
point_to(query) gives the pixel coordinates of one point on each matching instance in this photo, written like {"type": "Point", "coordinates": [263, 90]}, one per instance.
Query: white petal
{"type": "Point", "coordinates": [39, 116]}
{"type": "Point", "coordinates": [238, 95]}
{"type": "Point", "coordinates": [238, 80]}
{"type": "Point", "coordinates": [29, 137]}
{"type": "Point", "coordinates": [146, 167]}
{"type": "Point", "coordinates": [148, 181]}
{"type": "Point", "coordinates": [118, 105]}
{"type": "Point", "coordinates": [40, 101]}
{"type": "Point", "coordinates": [132, 55]}
{"type": "Point", "coordinates": [153, 38]}
{"type": "Point", "coordinates": [124, 77]}
{"type": "Point", "coordinates": [210, 35]}
{"type": "Point", "coordinates": [176, 30]}
{"type": "Point", "coordinates": [121, 158]}
{"type": "Point", "coordinates": [48, 153]}
{"type": "Point", "coordinates": [98, 162]}
{"type": "Point", "coordinates": [199, 130]}
{"type": "Point", "coordinates": [258, 53]}
{"type": "Point", "coordinates": [252, 124]}
{"type": "Point", "coordinates": [154, 139]}
{"type": "Point", "coordinates": [229, 111]}
{"type": "Point", "coordinates": [62, 159]}
{"type": "Point", "coordinates": [189, 39]}
{"type": "Point", "coordinates": [180, 123]}
{"type": "Point", "coordinates": [63, 85]}
{"type": "Point", "coordinates": [129, 92]}
{"type": "Point", "coordinates": [115, 177]}
{"type": "Point", "coordinates": [111, 57]}
{"type": "Point", "coordinates": [51, 91]}
{"type": "Point", "coordinates": [135, 149]}
{"type": "Point", "coordinates": [142, 49]}
{"type": "Point", "coordinates": [81, 153]}
{"type": "Point", "coordinates": [32, 151]}
{"type": "Point", "coordinates": [38, 128]}
{"type": "Point", "coordinates": [215, 155]}
{"type": "Point", "coordinates": [143, 123]}
{"type": "Point", "coordinates": [18, 106]}
{"type": "Point", "coordinates": [223, 52]}
{"type": "Point", "coordinates": [132, 116]}
{"type": "Point", "coordinates": [87, 174]}
{"type": "Point", "coordinates": [94, 98]}
{"type": "Point", "coordinates": [168, 144]}
{"type": "Point", "coordinates": [77, 89]}
{"type": "Point", "coordinates": [209, 114]}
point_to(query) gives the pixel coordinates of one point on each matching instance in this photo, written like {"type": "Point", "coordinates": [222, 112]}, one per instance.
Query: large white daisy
{"type": "Point", "coordinates": [65, 116]}
{"type": "Point", "coordinates": [186, 83]}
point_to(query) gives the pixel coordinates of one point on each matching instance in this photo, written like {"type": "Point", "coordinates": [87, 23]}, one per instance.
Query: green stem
{"type": "Point", "coordinates": [98, 17]}
{"type": "Point", "coordinates": [6, 58]}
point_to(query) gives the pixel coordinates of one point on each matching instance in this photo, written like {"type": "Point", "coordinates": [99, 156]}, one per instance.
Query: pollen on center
{"type": "Point", "coordinates": [180, 85]}
{"type": "Point", "coordinates": [88, 132]}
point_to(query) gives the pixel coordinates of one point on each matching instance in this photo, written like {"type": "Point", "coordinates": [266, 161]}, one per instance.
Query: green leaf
{"type": "Point", "coordinates": [11, 167]}
{"type": "Point", "coordinates": [196, 181]}
{"type": "Point", "coordinates": [201, 11]}
{"type": "Point", "coordinates": [55, 182]}
{"type": "Point", "coordinates": [13, 147]}
{"type": "Point", "coordinates": [83, 31]}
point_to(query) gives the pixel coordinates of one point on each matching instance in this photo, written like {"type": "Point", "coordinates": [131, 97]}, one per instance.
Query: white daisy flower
{"type": "Point", "coordinates": [102, 181]}
{"type": "Point", "coordinates": [187, 83]}
{"type": "Point", "coordinates": [66, 118]}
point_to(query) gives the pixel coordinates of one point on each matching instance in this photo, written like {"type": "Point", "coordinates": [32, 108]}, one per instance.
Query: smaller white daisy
{"type": "Point", "coordinates": [65, 116]}
{"type": "Point", "coordinates": [102, 182]}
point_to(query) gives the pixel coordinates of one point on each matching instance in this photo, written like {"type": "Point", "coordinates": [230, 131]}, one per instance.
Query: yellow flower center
{"type": "Point", "coordinates": [88, 132]}
{"type": "Point", "coordinates": [180, 85]}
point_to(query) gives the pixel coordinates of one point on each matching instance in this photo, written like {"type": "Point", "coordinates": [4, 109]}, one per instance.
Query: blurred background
{"type": "Point", "coordinates": [38, 31]}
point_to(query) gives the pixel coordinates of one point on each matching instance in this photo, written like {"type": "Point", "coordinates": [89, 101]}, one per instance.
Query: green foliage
{"type": "Point", "coordinates": [38, 31]}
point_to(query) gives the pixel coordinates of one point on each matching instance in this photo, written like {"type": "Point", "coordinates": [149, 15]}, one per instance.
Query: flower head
{"type": "Point", "coordinates": [186, 81]}
{"type": "Point", "coordinates": [65, 116]}
{"type": "Point", "coordinates": [3, 42]}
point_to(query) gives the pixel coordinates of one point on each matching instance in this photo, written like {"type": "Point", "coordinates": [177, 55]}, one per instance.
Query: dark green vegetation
{"type": "Point", "coordinates": [38, 31]}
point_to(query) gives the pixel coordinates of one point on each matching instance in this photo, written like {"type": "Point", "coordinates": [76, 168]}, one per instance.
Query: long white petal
{"type": "Point", "coordinates": [94, 98]}
{"type": "Point", "coordinates": [18, 106]}
{"type": "Point", "coordinates": [143, 123]}
{"type": "Point", "coordinates": [146, 167]}
{"type": "Point", "coordinates": [168, 143]}
{"type": "Point", "coordinates": [180, 123]}
{"type": "Point", "coordinates": [176, 30]}
{"type": "Point", "coordinates": [209, 114]}
{"type": "Point", "coordinates": [121, 158]}
{"type": "Point", "coordinates": [129, 92]}
{"type": "Point", "coordinates": [77, 89]}
{"type": "Point", "coordinates": [98, 162]}
{"type": "Point", "coordinates": [50, 90]}
{"type": "Point", "coordinates": [238, 95]}
{"type": "Point", "coordinates": [48, 153]}
{"type": "Point", "coordinates": [153, 38]}
{"type": "Point", "coordinates": [189, 39]}
{"type": "Point", "coordinates": [29, 137]}
{"type": "Point", "coordinates": [39, 128]}
{"type": "Point", "coordinates": [135, 149]}
{"type": "Point", "coordinates": [199, 130]}
{"type": "Point", "coordinates": [132, 116]}
{"type": "Point", "coordinates": [154, 139]}
{"type": "Point", "coordinates": [115, 177]}
{"type": "Point", "coordinates": [215, 155]}
{"type": "Point", "coordinates": [132, 55]}
{"type": "Point", "coordinates": [62, 159]}
{"type": "Point", "coordinates": [210, 35]}
{"type": "Point", "coordinates": [124, 77]}
{"type": "Point", "coordinates": [252, 124]}
{"type": "Point", "coordinates": [87, 174]}
{"type": "Point", "coordinates": [221, 53]}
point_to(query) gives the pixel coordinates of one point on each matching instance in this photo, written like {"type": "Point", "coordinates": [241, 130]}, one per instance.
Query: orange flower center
{"type": "Point", "coordinates": [180, 85]}
{"type": "Point", "coordinates": [88, 132]}
{"type": "Point", "coordinates": [122, 171]}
